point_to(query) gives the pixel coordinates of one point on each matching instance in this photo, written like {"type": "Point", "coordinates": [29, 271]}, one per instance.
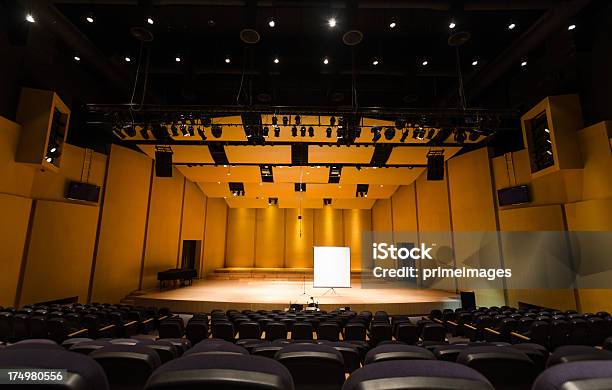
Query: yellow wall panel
{"type": "Point", "coordinates": [60, 252]}
{"type": "Point", "coordinates": [299, 238]}
{"type": "Point", "coordinates": [328, 229]}
{"type": "Point", "coordinates": [432, 201]}
{"type": "Point", "coordinates": [403, 206]}
{"type": "Point", "coordinates": [597, 156]}
{"type": "Point", "coordinates": [15, 178]}
{"type": "Point", "coordinates": [194, 213]}
{"type": "Point", "coordinates": [122, 229]}
{"type": "Point", "coordinates": [161, 252]}
{"type": "Point", "coordinates": [356, 222]}
{"type": "Point", "coordinates": [240, 251]}
{"type": "Point", "coordinates": [382, 219]}
{"type": "Point", "coordinates": [15, 211]}
{"type": "Point", "coordinates": [214, 235]}
{"type": "Point", "coordinates": [270, 238]}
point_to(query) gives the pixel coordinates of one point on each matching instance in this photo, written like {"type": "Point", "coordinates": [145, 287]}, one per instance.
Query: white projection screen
{"type": "Point", "coordinates": [332, 266]}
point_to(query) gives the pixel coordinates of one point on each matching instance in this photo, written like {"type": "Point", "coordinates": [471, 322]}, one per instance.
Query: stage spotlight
{"type": "Point", "coordinates": [430, 133]}
{"type": "Point", "coordinates": [271, 23]}
{"type": "Point", "coordinates": [276, 131]}
{"type": "Point", "coordinates": [473, 136]}
{"type": "Point", "coordinates": [571, 27]}
{"type": "Point", "coordinates": [475, 63]}
{"type": "Point", "coordinates": [190, 130]}
{"type": "Point", "coordinates": [144, 132]}
{"type": "Point", "coordinates": [392, 24]}
{"type": "Point", "coordinates": [404, 136]}
{"type": "Point", "coordinates": [332, 22]}
{"type": "Point", "coordinates": [228, 59]}
{"type": "Point", "coordinates": [302, 131]}
{"type": "Point", "coordinates": [389, 133]}
{"type": "Point", "coordinates": [128, 59]}
{"type": "Point", "coordinates": [30, 18]}
{"type": "Point", "coordinates": [425, 63]}
{"type": "Point", "coordinates": [201, 133]}
{"type": "Point", "coordinates": [276, 60]}
{"type": "Point", "coordinates": [274, 120]}
{"type": "Point", "coordinates": [375, 61]}
{"type": "Point", "coordinates": [117, 132]}
{"type": "Point", "coordinates": [206, 121]}
{"type": "Point", "coordinates": [177, 59]}
{"type": "Point", "coordinates": [293, 131]}
{"type": "Point", "coordinates": [89, 18]}
{"type": "Point", "coordinates": [297, 119]}
{"type": "Point", "coordinates": [150, 20]}
{"type": "Point", "coordinates": [285, 120]}
{"type": "Point", "coordinates": [332, 121]}
{"type": "Point", "coordinates": [325, 61]}
{"type": "Point", "coordinates": [328, 132]}
{"type": "Point", "coordinates": [524, 64]}
{"type": "Point", "coordinates": [184, 131]}
{"type": "Point", "coordinates": [511, 25]}
{"type": "Point", "coordinates": [266, 131]}
{"type": "Point", "coordinates": [130, 131]}
{"type": "Point", "coordinates": [77, 58]}
{"type": "Point", "coordinates": [216, 131]}
{"type": "Point", "coordinates": [376, 134]}
{"type": "Point", "coordinates": [452, 24]}
{"type": "Point", "coordinates": [400, 123]}
{"type": "Point", "coordinates": [310, 132]}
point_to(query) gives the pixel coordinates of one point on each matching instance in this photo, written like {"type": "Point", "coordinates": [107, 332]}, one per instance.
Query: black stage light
{"type": "Point", "coordinates": [297, 119]}
{"type": "Point", "coordinates": [473, 136]}
{"type": "Point", "coordinates": [389, 133]}
{"type": "Point", "coordinates": [277, 131]}
{"type": "Point", "coordinates": [163, 163]}
{"type": "Point", "coordinates": [400, 123]}
{"type": "Point", "coordinates": [293, 131]}
{"type": "Point", "coordinates": [206, 121]}
{"type": "Point", "coordinates": [460, 136]}
{"type": "Point", "coordinates": [191, 131]}
{"type": "Point", "coordinates": [130, 130]}
{"type": "Point", "coordinates": [201, 133]}
{"type": "Point", "coordinates": [404, 136]}
{"type": "Point", "coordinates": [332, 121]}
{"type": "Point", "coordinates": [144, 132]}
{"type": "Point", "coordinates": [174, 130]}
{"type": "Point", "coordinates": [303, 131]}
{"type": "Point", "coordinates": [435, 165]}
{"type": "Point", "coordinates": [117, 132]}
{"type": "Point", "coordinates": [310, 131]}
{"type": "Point", "coordinates": [376, 134]}
{"type": "Point", "coordinates": [430, 133]}
{"type": "Point", "coordinates": [266, 131]}
{"type": "Point", "coordinates": [217, 131]}
{"type": "Point", "coordinates": [274, 120]}
{"type": "Point", "coordinates": [285, 121]}
{"type": "Point", "coordinates": [328, 132]}
{"type": "Point", "coordinates": [184, 131]}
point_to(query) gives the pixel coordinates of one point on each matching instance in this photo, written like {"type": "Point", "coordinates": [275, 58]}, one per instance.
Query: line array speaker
{"type": "Point", "coordinates": [163, 163]}
{"type": "Point", "coordinates": [435, 167]}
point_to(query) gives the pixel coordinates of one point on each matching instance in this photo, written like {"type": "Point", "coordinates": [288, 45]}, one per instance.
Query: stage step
{"type": "Point", "coordinates": [235, 273]}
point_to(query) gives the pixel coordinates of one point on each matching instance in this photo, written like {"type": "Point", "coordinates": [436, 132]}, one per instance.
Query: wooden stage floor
{"type": "Point", "coordinates": [205, 295]}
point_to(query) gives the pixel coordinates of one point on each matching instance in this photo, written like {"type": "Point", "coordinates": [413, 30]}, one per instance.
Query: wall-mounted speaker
{"type": "Point", "coordinates": [513, 195]}
{"type": "Point", "coordinates": [83, 191]}
{"type": "Point", "coordinates": [435, 166]}
{"type": "Point", "coordinates": [163, 163]}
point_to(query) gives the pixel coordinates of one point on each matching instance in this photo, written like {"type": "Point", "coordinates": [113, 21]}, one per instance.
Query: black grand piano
{"type": "Point", "coordinates": [184, 275]}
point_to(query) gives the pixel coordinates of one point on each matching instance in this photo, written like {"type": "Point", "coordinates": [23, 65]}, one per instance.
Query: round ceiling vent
{"type": "Point", "coordinates": [142, 34]}
{"type": "Point", "coordinates": [459, 38]}
{"type": "Point", "coordinates": [250, 36]}
{"type": "Point", "coordinates": [352, 37]}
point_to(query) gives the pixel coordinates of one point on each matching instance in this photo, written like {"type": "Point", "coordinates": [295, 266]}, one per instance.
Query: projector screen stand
{"type": "Point", "coordinates": [303, 285]}
{"type": "Point", "coordinates": [331, 291]}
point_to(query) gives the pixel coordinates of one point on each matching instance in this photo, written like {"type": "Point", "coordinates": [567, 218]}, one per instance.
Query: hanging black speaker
{"type": "Point", "coordinates": [435, 166]}
{"type": "Point", "coordinates": [163, 163]}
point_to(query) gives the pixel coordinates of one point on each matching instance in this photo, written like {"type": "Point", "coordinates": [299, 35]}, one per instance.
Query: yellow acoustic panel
{"type": "Point", "coordinates": [342, 154]}
{"type": "Point", "coordinates": [183, 153]}
{"type": "Point", "coordinates": [243, 202]}
{"type": "Point", "coordinates": [269, 190]}
{"type": "Point", "coordinates": [211, 173]}
{"type": "Point", "coordinates": [321, 191]}
{"type": "Point", "coordinates": [264, 154]}
{"type": "Point", "coordinates": [215, 190]}
{"type": "Point", "coordinates": [417, 155]}
{"type": "Point", "coordinates": [354, 203]}
{"type": "Point", "coordinates": [299, 174]}
{"type": "Point", "coordinates": [381, 191]}
{"type": "Point", "coordinates": [370, 175]}
{"type": "Point", "coordinates": [298, 202]}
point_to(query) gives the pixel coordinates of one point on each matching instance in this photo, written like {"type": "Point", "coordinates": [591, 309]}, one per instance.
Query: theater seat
{"type": "Point", "coordinates": [239, 372]}
{"type": "Point", "coordinates": [83, 372]}
{"type": "Point", "coordinates": [208, 346]}
{"type": "Point", "coordinates": [585, 375]}
{"type": "Point", "coordinates": [127, 366]}
{"type": "Point", "coordinates": [350, 353]}
{"type": "Point", "coordinates": [313, 366]}
{"type": "Point", "coordinates": [87, 347]}
{"type": "Point", "coordinates": [397, 352]}
{"type": "Point", "coordinates": [504, 367]}
{"type": "Point", "coordinates": [449, 352]}
{"type": "Point", "coordinates": [575, 353]}
{"type": "Point", "coordinates": [422, 374]}
{"type": "Point", "coordinates": [35, 344]}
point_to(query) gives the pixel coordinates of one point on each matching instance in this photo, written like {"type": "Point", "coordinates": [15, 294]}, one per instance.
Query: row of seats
{"type": "Point", "coordinates": [59, 322]}
{"type": "Point", "coordinates": [138, 363]}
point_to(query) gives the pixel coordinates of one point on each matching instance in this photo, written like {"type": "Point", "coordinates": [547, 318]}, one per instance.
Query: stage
{"type": "Point", "coordinates": [269, 294]}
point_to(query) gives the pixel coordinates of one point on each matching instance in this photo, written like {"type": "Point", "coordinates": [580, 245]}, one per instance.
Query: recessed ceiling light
{"type": "Point", "coordinates": [177, 59]}
{"type": "Point", "coordinates": [392, 25]}
{"type": "Point", "coordinates": [271, 23]}
{"type": "Point", "coordinates": [90, 19]}
{"type": "Point", "coordinates": [425, 63]}
{"type": "Point", "coordinates": [452, 24]}
{"type": "Point", "coordinates": [228, 60]}
{"type": "Point", "coordinates": [381, 186]}
{"type": "Point", "coordinates": [326, 60]}
{"type": "Point", "coordinates": [150, 20]}
{"type": "Point", "coordinates": [128, 59]}
{"type": "Point", "coordinates": [475, 62]}
{"type": "Point", "coordinates": [511, 26]}
{"type": "Point", "coordinates": [77, 58]}
{"type": "Point", "coordinates": [571, 27]}
{"type": "Point", "coordinates": [524, 63]}
{"type": "Point", "coordinates": [276, 60]}
{"type": "Point", "coordinates": [332, 22]}
{"type": "Point", "coordinates": [30, 18]}
{"type": "Point", "coordinates": [375, 61]}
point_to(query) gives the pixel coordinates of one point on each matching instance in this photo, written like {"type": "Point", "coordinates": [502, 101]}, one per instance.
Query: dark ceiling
{"type": "Point", "coordinates": [203, 35]}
